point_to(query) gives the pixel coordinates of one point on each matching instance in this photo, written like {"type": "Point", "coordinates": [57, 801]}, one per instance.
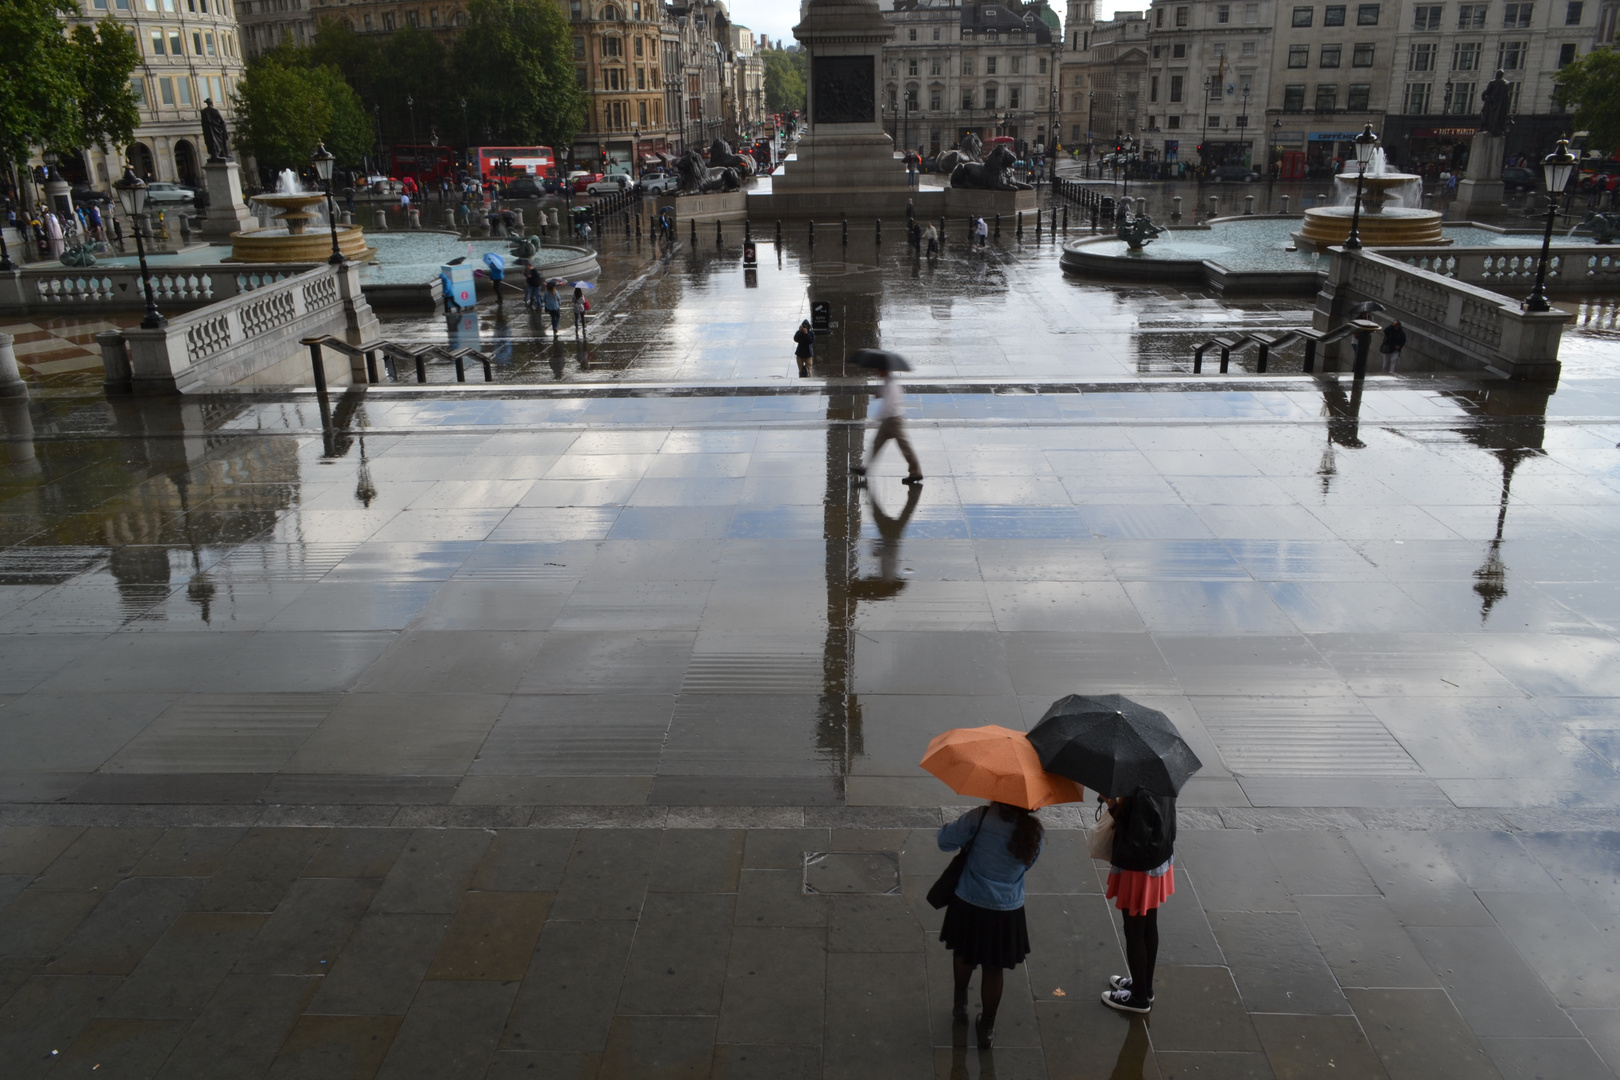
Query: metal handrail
{"type": "Point", "coordinates": [1312, 339]}
{"type": "Point", "coordinates": [396, 351]}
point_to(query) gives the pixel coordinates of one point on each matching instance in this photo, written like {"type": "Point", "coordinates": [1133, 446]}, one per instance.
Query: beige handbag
{"type": "Point", "coordinates": [1100, 837]}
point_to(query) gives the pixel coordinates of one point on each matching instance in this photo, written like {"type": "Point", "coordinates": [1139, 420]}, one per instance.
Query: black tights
{"type": "Point", "coordinates": [989, 989]}
{"type": "Point", "coordinates": [1142, 950]}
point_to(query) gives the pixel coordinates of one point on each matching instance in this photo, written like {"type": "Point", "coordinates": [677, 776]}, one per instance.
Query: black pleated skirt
{"type": "Point", "coordinates": [984, 937]}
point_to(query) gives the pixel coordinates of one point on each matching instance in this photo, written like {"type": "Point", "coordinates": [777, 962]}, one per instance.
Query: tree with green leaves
{"type": "Point", "coordinates": [785, 73]}
{"type": "Point", "coordinates": [285, 106]}
{"type": "Point", "coordinates": [1591, 87]}
{"type": "Point", "coordinates": [63, 91]}
{"type": "Point", "coordinates": [515, 58]}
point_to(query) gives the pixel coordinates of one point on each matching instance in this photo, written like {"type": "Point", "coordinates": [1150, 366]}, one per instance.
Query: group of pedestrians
{"type": "Point", "coordinates": [985, 927]}
{"type": "Point", "coordinates": [542, 296]}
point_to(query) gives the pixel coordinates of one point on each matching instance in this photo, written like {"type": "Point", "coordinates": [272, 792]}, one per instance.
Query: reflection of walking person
{"type": "Point", "coordinates": [984, 921]}
{"type": "Point", "coordinates": [805, 350]}
{"type": "Point", "coordinates": [888, 583]}
{"type": "Point", "coordinates": [891, 425]}
{"type": "Point", "coordinates": [1142, 876]}
{"type": "Point", "coordinates": [1394, 342]}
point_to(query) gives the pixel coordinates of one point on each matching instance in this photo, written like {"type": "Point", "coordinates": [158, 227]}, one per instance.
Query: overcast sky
{"type": "Point", "coordinates": [776, 17]}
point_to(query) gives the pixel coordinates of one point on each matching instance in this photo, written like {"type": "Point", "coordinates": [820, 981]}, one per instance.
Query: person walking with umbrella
{"type": "Point", "coordinates": [1135, 757]}
{"type": "Point", "coordinates": [1394, 342]}
{"type": "Point", "coordinates": [982, 891]}
{"type": "Point", "coordinates": [891, 414]}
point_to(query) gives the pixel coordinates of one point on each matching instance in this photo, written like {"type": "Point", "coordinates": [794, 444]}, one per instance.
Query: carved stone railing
{"type": "Point", "coordinates": [1461, 325]}
{"type": "Point", "coordinates": [250, 338]}
{"type": "Point", "coordinates": [1571, 271]}
{"type": "Point", "coordinates": [62, 290]}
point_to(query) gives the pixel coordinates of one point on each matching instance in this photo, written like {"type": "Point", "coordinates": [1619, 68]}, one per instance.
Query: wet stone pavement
{"type": "Point", "coordinates": [569, 727]}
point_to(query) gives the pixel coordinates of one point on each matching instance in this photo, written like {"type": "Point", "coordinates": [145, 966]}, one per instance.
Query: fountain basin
{"type": "Point", "coordinates": [1392, 226]}
{"type": "Point", "coordinates": [286, 246]}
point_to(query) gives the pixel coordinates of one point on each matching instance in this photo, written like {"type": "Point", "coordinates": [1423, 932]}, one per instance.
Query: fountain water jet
{"type": "Point", "coordinates": [1392, 214]}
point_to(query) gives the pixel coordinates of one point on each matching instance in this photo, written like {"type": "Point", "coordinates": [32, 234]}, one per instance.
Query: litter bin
{"type": "Point", "coordinates": [460, 291]}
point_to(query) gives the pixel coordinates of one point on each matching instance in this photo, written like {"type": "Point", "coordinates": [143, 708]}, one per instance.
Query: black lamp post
{"type": "Point", "coordinates": [1366, 142]}
{"type": "Point", "coordinates": [5, 256]}
{"type": "Point", "coordinates": [466, 131]}
{"type": "Point", "coordinates": [132, 196]}
{"type": "Point", "coordinates": [416, 158]}
{"type": "Point", "coordinates": [1091, 113]}
{"type": "Point", "coordinates": [382, 151]}
{"type": "Point", "coordinates": [1273, 168]}
{"type": "Point", "coordinates": [1556, 169]}
{"type": "Point", "coordinates": [323, 161]}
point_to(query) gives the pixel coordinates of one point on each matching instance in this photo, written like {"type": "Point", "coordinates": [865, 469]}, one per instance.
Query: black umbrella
{"type": "Point", "coordinates": [879, 360]}
{"type": "Point", "coordinates": [1114, 746]}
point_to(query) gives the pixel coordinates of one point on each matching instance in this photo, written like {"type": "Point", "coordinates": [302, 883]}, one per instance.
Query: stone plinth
{"type": "Point", "coordinates": [1480, 193]}
{"type": "Point", "coordinates": [846, 148]}
{"type": "Point", "coordinates": [227, 210]}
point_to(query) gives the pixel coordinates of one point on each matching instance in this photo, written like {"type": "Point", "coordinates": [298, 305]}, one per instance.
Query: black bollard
{"type": "Point", "coordinates": [846, 230]}
{"type": "Point", "coordinates": [638, 226]}
{"type": "Point", "coordinates": [778, 232]}
{"type": "Point", "coordinates": [998, 226]}
{"type": "Point", "coordinates": [1037, 223]}
{"type": "Point", "coordinates": [942, 234]}
{"type": "Point", "coordinates": [1020, 229]}
{"type": "Point", "coordinates": [748, 231]}
{"type": "Point", "coordinates": [880, 230]}
{"type": "Point", "coordinates": [1093, 219]}
{"type": "Point", "coordinates": [1065, 217]}
{"type": "Point", "coordinates": [911, 213]}
{"type": "Point", "coordinates": [812, 232]}
{"type": "Point", "coordinates": [694, 232]}
{"type": "Point", "coordinates": [716, 232]}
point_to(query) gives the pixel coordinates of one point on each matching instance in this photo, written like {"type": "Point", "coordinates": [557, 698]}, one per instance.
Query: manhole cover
{"type": "Point", "coordinates": [852, 872]}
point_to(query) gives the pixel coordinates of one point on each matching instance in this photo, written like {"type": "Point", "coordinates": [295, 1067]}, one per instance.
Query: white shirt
{"type": "Point", "coordinates": [981, 229]}
{"type": "Point", "coordinates": [893, 400]}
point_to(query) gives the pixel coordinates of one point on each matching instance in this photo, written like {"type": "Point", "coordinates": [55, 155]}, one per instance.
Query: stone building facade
{"type": "Point", "coordinates": [191, 51]}
{"type": "Point", "coordinates": [988, 68]}
{"type": "Point", "coordinates": [266, 23]}
{"type": "Point", "coordinates": [621, 51]}
{"type": "Point", "coordinates": [1103, 74]}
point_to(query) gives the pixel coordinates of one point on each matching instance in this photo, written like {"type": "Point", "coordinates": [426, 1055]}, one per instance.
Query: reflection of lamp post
{"type": "Point", "coordinates": [1272, 167]}
{"type": "Point", "coordinates": [1556, 168]}
{"type": "Point", "coordinates": [416, 159]}
{"type": "Point", "coordinates": [1366, 142]}
{"type": "Point", "coordinates": [132, 196]}
{"type": "Point", "coordinates": [323, 161]}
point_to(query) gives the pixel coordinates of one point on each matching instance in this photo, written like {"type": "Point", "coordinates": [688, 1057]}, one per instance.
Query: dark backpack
{"type": "Point", "coordinates": [1144, 831]}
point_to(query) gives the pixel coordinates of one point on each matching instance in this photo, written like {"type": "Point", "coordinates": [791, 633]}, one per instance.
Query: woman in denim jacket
{"type": "Point", "coordinates": [984, 922]}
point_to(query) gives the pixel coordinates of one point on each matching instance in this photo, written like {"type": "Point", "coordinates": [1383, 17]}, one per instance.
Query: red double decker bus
{"type": "Point", "coordinates": [534, 160]}
{"type": "Point", "coordinates": [428, 164]}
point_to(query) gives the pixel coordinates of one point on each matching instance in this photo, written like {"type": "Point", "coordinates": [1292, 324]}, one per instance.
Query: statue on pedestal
{"type": "Point", "coordinates": [1138, 231]}
{"type": "Point", "coordinates": [1495, 102]}
{"type": "Point", "coordinates": [215, 136]}
{"type": "Point", "coordinates": [995, 174]}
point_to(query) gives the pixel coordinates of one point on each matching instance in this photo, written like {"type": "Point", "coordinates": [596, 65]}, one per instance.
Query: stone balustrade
{"type": "Point", "coordinates": [1464, 326]}
{"type": "Point", "coordinates": [1571, 271]}
{"type": "Point", "coordinates": [250, 338]}
{"type": "Point", "coordinates": [64, 290]}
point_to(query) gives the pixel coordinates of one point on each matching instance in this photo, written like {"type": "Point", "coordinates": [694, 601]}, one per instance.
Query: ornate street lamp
{"type": "Point", "coordinates": [466, 137]}
{"type": "Point", "coordinates": [1556, 169]}
{"type": "Point", "coordinates": [1273, 169]}
{"type": "Point", "coordinates": [416, 158]}
{"type": "Point", "coordinates": [1366, 143]}
{"type": "Point", "coordinates": [323, 161]}
{"type": "Point", "coordinates": [382, 151]}
{"type": "Point", "coordinates": [132, 196]}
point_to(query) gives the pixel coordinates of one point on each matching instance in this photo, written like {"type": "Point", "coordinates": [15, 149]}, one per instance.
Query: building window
{"type": "Point", "coordinates": [1015, 97]}
{"type": "Point", "coordinates": [1248, 51]}
{"type": "Point", "coordinates": [1517, 16]}
{"type": "Point", "coordinates": [1367, 15]}
{"type": "Point", "coordinates": [1299, 56]}
{"type": "Point", "coordinates": [1215, 93]}
{"type": "Point", "coordinates": [388, 20]}
{"type": "Point", "coordinates": [1015, 65]}
{"type": "Point", "coordinates": [637, 43]}
{"type": "Point", "coordinates": [196, 43]}
{"type": "Point", "coordinates": [1251, 14]}
{"type": "Point", "coordinates": [1465, 56]}
{"type": "Point", "coordinates": [1294, 98]}
{"type": "Point", "coordinates": [1459, 98]}
{"type": "Point", "coordinates": [166, 90]}
{"type": "Point", "coordinates": [157, 43]}
{"type": "Point", "coordinates": [177, 43]}
{"type": "Point", "coordinates": [612, 46]}
{"type": "Point", "coordinates": [911, 67]}
{"type": "Point", "coordinates": [1417, 98]}
{"type": "Point", "coordinates": [1572, 13]}
{"type": "Point", "coordinates": [579, 43]}
{"type": "Point", "coordinates": [990, 65]}
{"type": "Point", "coordinates": [137, 86]}
{"type": "Point", "coordinates": [1153, 88]}
{"type": "Point", "coordinates": [1421, 57]}
{"type": "Point", "coordinates": [912, 34]}
{"type": "Point", "coordinates": [936, 33]}
{"type": "Point", "coordinates": [911, 97]}
{"type": "Point", "coordinates": [1510, 55]}
{"type": "Point", "coordinates": [1362, 54]}
{"type": "Point", "coordinates": [1327, 97]}
{"type": "Point", "coordinates": [1303, 16]}
{"type": "Point", "coordinates": [1041, 66]}
{"type": "Point", "coordinates": [967, 66]}
{"type": "Point", "coordinates": [1333, 15]}
{"type": "Point", "coordinates": [1181, 16]}
{"type": "Point", "coordinates": [1359, 97]}
{"type": "Point", "coordinates": [967, 99]}
{"type": "Point", "coordinates": [1566, 54]}
{"type": "Point", "coordinates": [1176, 82]}
{"type": "Point", "coordinates": [1223, 13]}
{"type": "Point", "coordinates": [1178, 51]}
{"type": "Point", "coordinates": [1471, 16]}
{"type": "Point", "coordinates": [933, 65]}
{"type": "Point", "coordinates": [935, 102]}
{"type": "Point", "coordinates": [989, 97]}
{"type": "Point", "coordinates": [1427, 16]}
{"type": "Point", "coordinates": [641, 78]}
{"type": "Point", "coordinates": [1330, 56]}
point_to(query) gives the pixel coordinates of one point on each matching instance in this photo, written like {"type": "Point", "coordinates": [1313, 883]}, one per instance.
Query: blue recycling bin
{"type": "Point", "coordinates": [460, 290]}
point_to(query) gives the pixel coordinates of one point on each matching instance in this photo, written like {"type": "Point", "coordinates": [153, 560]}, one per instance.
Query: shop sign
{"type": "Point", "coordinates": [1289, 137]}
{"type": "Point", "coordinates": [1443, 133]}
{"type": "Point", "coordinates": [1334, 136]}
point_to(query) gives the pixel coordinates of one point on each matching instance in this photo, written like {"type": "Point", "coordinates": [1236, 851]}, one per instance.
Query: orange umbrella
{"type": "Point", "coordinates": [997, 763]}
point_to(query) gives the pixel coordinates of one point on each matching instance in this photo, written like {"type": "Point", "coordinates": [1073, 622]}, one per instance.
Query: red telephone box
{"type": "Point", "coordinates": [1293, 165]}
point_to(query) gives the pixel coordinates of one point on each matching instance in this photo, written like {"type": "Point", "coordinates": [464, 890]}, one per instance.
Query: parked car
{"type": "Point", "coordinates": [1515, 178]}
{"type": "Point", "coordinates": [161, 191]}
{"type": "Point", "coordinates": [1233, 174]}
{"type": "Point", "coordinates": [580, 181]}
{"type": "Point", "coordinates": [525, 187]}
{"type": "Point", "coordinates": [611, 184]}
{"type": "Point", "coordinates": [662, 182]}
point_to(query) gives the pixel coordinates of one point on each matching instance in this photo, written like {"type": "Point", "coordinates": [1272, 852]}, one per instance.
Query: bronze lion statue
{"type": "Point", "coordinates": [994, 174]}
{"type": "Point", "coordinates": [697, 178]}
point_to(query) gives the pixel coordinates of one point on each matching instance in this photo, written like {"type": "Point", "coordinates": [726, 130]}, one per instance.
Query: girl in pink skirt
{"type": "Point", "coordinates": [1142, 876]}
